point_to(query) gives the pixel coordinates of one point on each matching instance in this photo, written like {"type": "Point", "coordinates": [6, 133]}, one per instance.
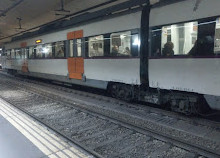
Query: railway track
{"type": "Point", "coordinates": [83, 95]}
{"type": "Point", "coordinates": [105, 133]}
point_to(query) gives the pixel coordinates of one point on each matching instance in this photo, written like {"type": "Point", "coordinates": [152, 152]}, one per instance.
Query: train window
{"type": "Point", "coordinates": [59, 49]}
{"type": "Point", "coordinates": [135, 45]}
{"type": "Point", "coordinates": [8, 54]}
{"type": "Point", "coordinates": [96, 46]}
{"type": "Point", "coordinates": [31, 52]}
{"type": "Point", "coordinates": [178, 39]}
{"type": "Point", "coordinates": [47, 50]}
{"type": "Point", "coordinates": [79, 47]}
{"type": "Point", "coordinates": [39, 51]}
{"type": "Point", "coordinates": [156, 42]}
{"type": "Point", "coordinates": [18, 53]}
{"type": "Point", "coordinates": [205, 42]}
{"type": "Point", "coordinates": [23, 53]}
{"type": "Point", "coordinates": [12, 53]}
{"type": "Point", "coordinates": [71, 48]}
{"type": "Point", "coordinates": [121, 44]}
{"type": "Point", "coordinates": [217, 37]}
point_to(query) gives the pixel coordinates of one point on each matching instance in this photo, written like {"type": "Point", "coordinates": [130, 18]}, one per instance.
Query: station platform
{"type": "Point", "coordinates": [23, 137]}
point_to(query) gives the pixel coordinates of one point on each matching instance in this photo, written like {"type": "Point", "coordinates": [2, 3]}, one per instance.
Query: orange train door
{"type": "Point", "coordinates": [76, 67]}
{"type": "Point", "coordinates": [24, 67]}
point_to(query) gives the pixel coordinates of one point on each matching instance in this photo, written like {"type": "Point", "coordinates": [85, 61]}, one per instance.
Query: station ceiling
{"type": "Point", "coordinates": [34, 13]}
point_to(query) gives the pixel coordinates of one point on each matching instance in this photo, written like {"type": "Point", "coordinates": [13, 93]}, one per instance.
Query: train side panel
{"type": "Point", "coordinates": [105, 70]}
{"type": "Point", "coordinates": [13, 64]}
{"type": "Point", "coordinates": [116, 70]}
{"type": "Point", "coordinates": [187, 10]}
{"type": "Point", "coordinates": [193, 66]}
{"type": "Point", "coordinates": [48, 66]}
{"type": "Point", "coordinates": [191, 75]}
{"type": "Point", "coordinates": [117, 24]}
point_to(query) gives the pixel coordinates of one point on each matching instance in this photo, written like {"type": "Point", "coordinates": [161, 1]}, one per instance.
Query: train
{"type": "Point", "coordinates": [165, 53]}
{"type": "Point", "coordinates": [1, 52]}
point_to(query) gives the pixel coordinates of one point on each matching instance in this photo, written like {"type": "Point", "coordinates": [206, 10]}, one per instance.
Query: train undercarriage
{"type": "Point", "coordinates": [182, 102]}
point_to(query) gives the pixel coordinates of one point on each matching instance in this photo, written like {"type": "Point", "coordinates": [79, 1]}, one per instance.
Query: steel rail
{"type": "Point", "coordinates": [55, 130]}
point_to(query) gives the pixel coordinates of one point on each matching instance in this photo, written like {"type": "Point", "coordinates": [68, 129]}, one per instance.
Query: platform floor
{"type": "Point", "coordinates": [23, 137]}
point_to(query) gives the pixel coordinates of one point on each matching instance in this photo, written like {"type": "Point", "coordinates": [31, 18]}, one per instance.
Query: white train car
{"type": "Point", "coordinates": [193, 27]}
{"type": "Point", "coordinates": [96, 69]}
{"type": "Point", "coordinates": [0, 61]}
{"type": "Point", "coordinates": [179, 65]}
{"type": "Point", "coordinates": [1, 58]}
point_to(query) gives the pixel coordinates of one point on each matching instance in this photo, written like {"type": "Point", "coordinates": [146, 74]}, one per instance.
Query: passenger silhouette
{"type": "Point", "coordinates": [168, 49]}
{"type": "Point", "coordinates": [115, 50]}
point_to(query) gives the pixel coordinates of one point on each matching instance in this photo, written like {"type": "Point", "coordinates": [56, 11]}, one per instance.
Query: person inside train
{"type": "Point", "coordinates": [115, 50]}
{"type": "Point", "coordinates": [127, 51]}
{"type": "Point", "coordinates": [60, 52]}
{"type": "Point", "coordinates": [49, 55]}
{"type": "Point", "coordinates": [168, 49]}
{"type": "Point", "coordinates": [203, 47]}
{"type": "Point", "coordinates": [193, 51]}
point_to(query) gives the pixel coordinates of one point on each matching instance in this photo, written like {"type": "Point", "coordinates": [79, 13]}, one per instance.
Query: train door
{"type": "Point", "coordinates": [75, 60]}
{"type": "Point", "coordinates": [76, 67]}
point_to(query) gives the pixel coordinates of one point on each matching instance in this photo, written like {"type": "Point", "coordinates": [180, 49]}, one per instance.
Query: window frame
{"type": "Point", "coordinates": [16, 55]}
{"type": "Point", "coordinates": [159, 27]}
{"type": "Point", "coordinates": [33, 52]}
{"type": "Point", "coordinates": [54, 50]}
{"type": "Point", "coordinates": [8, 56]}
{"type": "Point", "coordinates": [88, 43]}
{"type": "Point", "coordinates": [107, 46]}
{"type": "Point", "coordinates": [119, 34]}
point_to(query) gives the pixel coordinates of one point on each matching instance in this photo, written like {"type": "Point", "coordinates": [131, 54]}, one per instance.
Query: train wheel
{"type": "Point", "coordinates": [121, 91]}
{"type": "Point", "coordinates": [113, 90]}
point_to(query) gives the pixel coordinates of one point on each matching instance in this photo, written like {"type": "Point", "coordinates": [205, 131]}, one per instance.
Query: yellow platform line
{"type": "Point", "coordinates": [44, 140]}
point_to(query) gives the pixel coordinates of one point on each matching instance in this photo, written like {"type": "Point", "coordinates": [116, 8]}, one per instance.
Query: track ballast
{"type": "Point", "coordinates": [103, 131]}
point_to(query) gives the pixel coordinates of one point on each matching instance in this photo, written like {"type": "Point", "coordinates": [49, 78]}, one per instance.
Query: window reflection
{"type": "Point", "coordinates": [96, 46]}
{"type": "Point", "coordinates": [8, 54]}
{"type": "Point", "coordinates": [23, 53]}
{"type": "Point", "coordinates": [178, 39]}
{"type": "Point", "coordinates": [217, 37]}
{"type": "Point", "coordinates": [39, 51]}
{"type": "Point", "coordinates": [59, 49]}
{"type": "Point", "coordinates": [47, 50]}
{"type": "Point", "coordinates": [18, 53]}
{"type": "Point", "coordinates": [121, 44]}
{"type": "Point", "coordinates": [12, 53]}
{"type": "Point", "coordinates": [71, 48]}
{"type": "Point", "coordinates": [31, 52]}
{"type": "Point", "coordinates": [79, 47]}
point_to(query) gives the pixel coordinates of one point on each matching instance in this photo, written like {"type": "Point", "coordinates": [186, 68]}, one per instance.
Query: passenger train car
{"type": "Point", "coordinates": [1, 58]}
{"type": "Point", "coordinates": [166, 54]}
